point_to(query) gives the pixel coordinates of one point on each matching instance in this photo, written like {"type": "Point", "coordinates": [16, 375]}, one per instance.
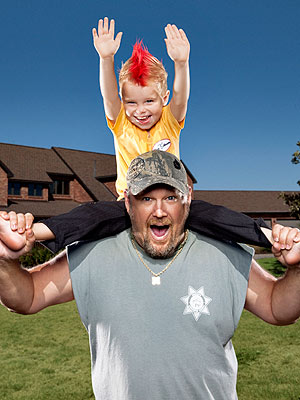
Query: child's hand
{"type": "Point", "coordinates": [104, 41]}
{"type": "Point", "coordinates": [178, 46]}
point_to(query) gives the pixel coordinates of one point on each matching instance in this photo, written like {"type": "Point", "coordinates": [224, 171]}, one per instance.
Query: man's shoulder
{"type": "Point", "coordinates": [87, 247]}
{"type": "Point", "coordinates": [225, 246]}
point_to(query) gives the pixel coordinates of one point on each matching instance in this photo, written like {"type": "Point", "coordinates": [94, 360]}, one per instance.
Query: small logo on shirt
{"type": "Point", "coordinates": [196, 302]}
{"type": "Point", "coordinates": [162, 145]}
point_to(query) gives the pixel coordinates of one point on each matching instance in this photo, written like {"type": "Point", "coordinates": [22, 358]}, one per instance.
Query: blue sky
{"type": "Point", "coordinates": [243, 118]}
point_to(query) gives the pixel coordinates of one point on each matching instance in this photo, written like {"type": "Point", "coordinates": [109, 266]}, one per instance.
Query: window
{"type": "Point", "coordinates": [14, 188]}
{"type": "Point", "coordinates": [35, 189]}
{"type": "Point", "coordinates": [60, 187]}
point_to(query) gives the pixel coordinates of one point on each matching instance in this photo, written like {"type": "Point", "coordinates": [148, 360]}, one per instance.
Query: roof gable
{"type": "Point", "coordinates": [89, 167]}
{"type": "Point", "coordinates": [31, 163]}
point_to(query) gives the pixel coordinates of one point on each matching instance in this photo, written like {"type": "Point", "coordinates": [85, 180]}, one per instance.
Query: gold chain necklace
{"type": "Point", "coordinates": [156, 277]}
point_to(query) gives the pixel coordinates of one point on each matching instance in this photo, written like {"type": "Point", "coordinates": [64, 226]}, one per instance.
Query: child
{"type": "Point", "coordinates": [141, 120]}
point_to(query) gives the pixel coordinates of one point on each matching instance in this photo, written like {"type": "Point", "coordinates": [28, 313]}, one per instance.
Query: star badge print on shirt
{"type": "Point", "coordinates": [196, 302]}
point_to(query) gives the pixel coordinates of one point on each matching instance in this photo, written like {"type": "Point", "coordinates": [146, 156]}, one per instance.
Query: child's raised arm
{"type": "Point", "coordinates": [178, 48]}
{"type": "Point", "coordinates": [107, 45]}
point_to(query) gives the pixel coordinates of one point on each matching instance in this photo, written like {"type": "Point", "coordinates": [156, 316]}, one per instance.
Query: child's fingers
{"type": "Point", "coordinates": [100, 27]}
{"type": "Point", "coordinates": [166, 31]}
{"type": "Point", "coordinates": [105, 25]}
{"type": "Point", "coordinates": [94, 33]}
{"type": "Point", "coordinates": [111, 30]}
{"type": "Point", "coordinates": [169, 31]}
{"type": "Point", "coordinates": [175, 31]}
{"type": "Point", "coordinates": [118, 39]}
{"type": "Point", "coordinates": [183, 35]}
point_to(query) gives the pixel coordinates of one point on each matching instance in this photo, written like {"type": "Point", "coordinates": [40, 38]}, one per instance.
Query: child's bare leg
{"type": "Point", "coordinates": [12, 229]}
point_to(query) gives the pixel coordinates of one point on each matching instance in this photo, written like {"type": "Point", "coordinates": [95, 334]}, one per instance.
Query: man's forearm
{"type": "Point", "coordinates": [16, 286]}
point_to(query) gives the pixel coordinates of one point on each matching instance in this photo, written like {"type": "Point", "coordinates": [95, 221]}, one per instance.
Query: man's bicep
{"type": "Point", "coordinates": [52, 284]}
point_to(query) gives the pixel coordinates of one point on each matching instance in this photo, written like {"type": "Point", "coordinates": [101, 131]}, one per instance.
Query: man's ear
{"type": "Point", "coordinates": [166, 98]}
{"type": "Point", "coordinates": [127, 203]}
{"type": "Point", "coordinates": [190, 195]}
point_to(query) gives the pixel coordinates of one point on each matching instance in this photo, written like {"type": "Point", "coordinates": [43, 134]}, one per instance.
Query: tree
{"type": "Point", "coordinates": [293, 199]}
{"type": "Point", "coordinates": [296, 157]}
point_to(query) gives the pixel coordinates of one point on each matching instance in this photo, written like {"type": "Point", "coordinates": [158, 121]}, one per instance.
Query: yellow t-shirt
{"type": "Point", "coordinates": [131, 141]}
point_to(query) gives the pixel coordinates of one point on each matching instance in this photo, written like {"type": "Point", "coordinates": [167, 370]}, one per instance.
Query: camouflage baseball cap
{"type": "Point", "coordinates": [156, 167]}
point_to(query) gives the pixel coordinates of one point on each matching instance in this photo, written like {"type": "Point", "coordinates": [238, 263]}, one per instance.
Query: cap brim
{"type": "Point", "coordinates": [146, 182]}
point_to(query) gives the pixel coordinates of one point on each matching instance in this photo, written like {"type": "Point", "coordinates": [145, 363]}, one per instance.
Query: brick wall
{"type": "Point", "coordinates": [3, 187]}
{"type": "Point", "coordinates": [24, 194]}
{"type": "Point", "coordinates": [111, 186]}
{"type": "Point", "coordinates": [78, 193]}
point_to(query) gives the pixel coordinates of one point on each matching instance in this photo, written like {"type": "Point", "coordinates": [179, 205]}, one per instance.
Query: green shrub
{"type": "Point", "coordinates": [38, 255]}
{"type": "Point", "coordinates": [273, 266]}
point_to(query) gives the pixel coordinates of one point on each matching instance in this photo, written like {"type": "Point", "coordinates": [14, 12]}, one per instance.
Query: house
{"type": "Point", "coordinates": [254, 203]}
{"type": "Point", "coordinates": [49, 182]}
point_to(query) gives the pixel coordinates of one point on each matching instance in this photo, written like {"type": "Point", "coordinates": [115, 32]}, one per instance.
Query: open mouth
{"type": "Point", "coordinates": [159, 231]}
{"type": "Point", "coordinates": [143, 120]}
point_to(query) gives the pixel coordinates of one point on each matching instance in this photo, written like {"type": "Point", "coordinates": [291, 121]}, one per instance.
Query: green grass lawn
{"type": "Point", "coordinates": [269, 356]}
{"type": "Point", "coordinates": [46, 356]}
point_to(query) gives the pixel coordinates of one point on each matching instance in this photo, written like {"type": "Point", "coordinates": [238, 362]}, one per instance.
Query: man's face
{"type": "Point", "coordinates": [142, 104]}
{"type": "Point", "coordinates": [158, 216]}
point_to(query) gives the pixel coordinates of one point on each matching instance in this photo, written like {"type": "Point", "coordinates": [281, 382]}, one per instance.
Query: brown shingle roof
{"type": "Point", "coordinates": [41, 209]}
{"type": "Point", "coordinates": [31, 163]}
{"type": "Point", "coordinates": [246, 201]}
{"type": "Point", "coordinates": [88, 166]}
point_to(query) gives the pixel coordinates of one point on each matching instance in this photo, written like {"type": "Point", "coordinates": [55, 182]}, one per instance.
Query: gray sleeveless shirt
{"type": "Point", "coordinates": [171, 341]}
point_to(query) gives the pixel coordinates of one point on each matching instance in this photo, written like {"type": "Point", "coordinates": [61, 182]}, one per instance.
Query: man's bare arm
{"type": "Point", "coordinates": [277, 301]}
{"type": "Point", "coordinates": [29, 291]}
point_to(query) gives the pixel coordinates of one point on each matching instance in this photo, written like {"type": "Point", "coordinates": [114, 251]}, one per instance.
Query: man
{"type": "Point", "coordinates": [160, 304]}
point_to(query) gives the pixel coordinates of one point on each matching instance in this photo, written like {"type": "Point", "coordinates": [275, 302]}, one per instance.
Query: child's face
{"type": "Point", "coordinates": [143, 105]}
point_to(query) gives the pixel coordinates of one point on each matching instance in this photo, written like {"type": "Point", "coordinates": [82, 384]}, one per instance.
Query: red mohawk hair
{"type": "Point", "coordinates": [143, 69]}
{"type": "Point", "coordinates": [140, 62]}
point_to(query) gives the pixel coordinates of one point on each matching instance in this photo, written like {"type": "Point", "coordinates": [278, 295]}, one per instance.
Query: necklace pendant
{"type": "Point", "coordinates": [155, 280]}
